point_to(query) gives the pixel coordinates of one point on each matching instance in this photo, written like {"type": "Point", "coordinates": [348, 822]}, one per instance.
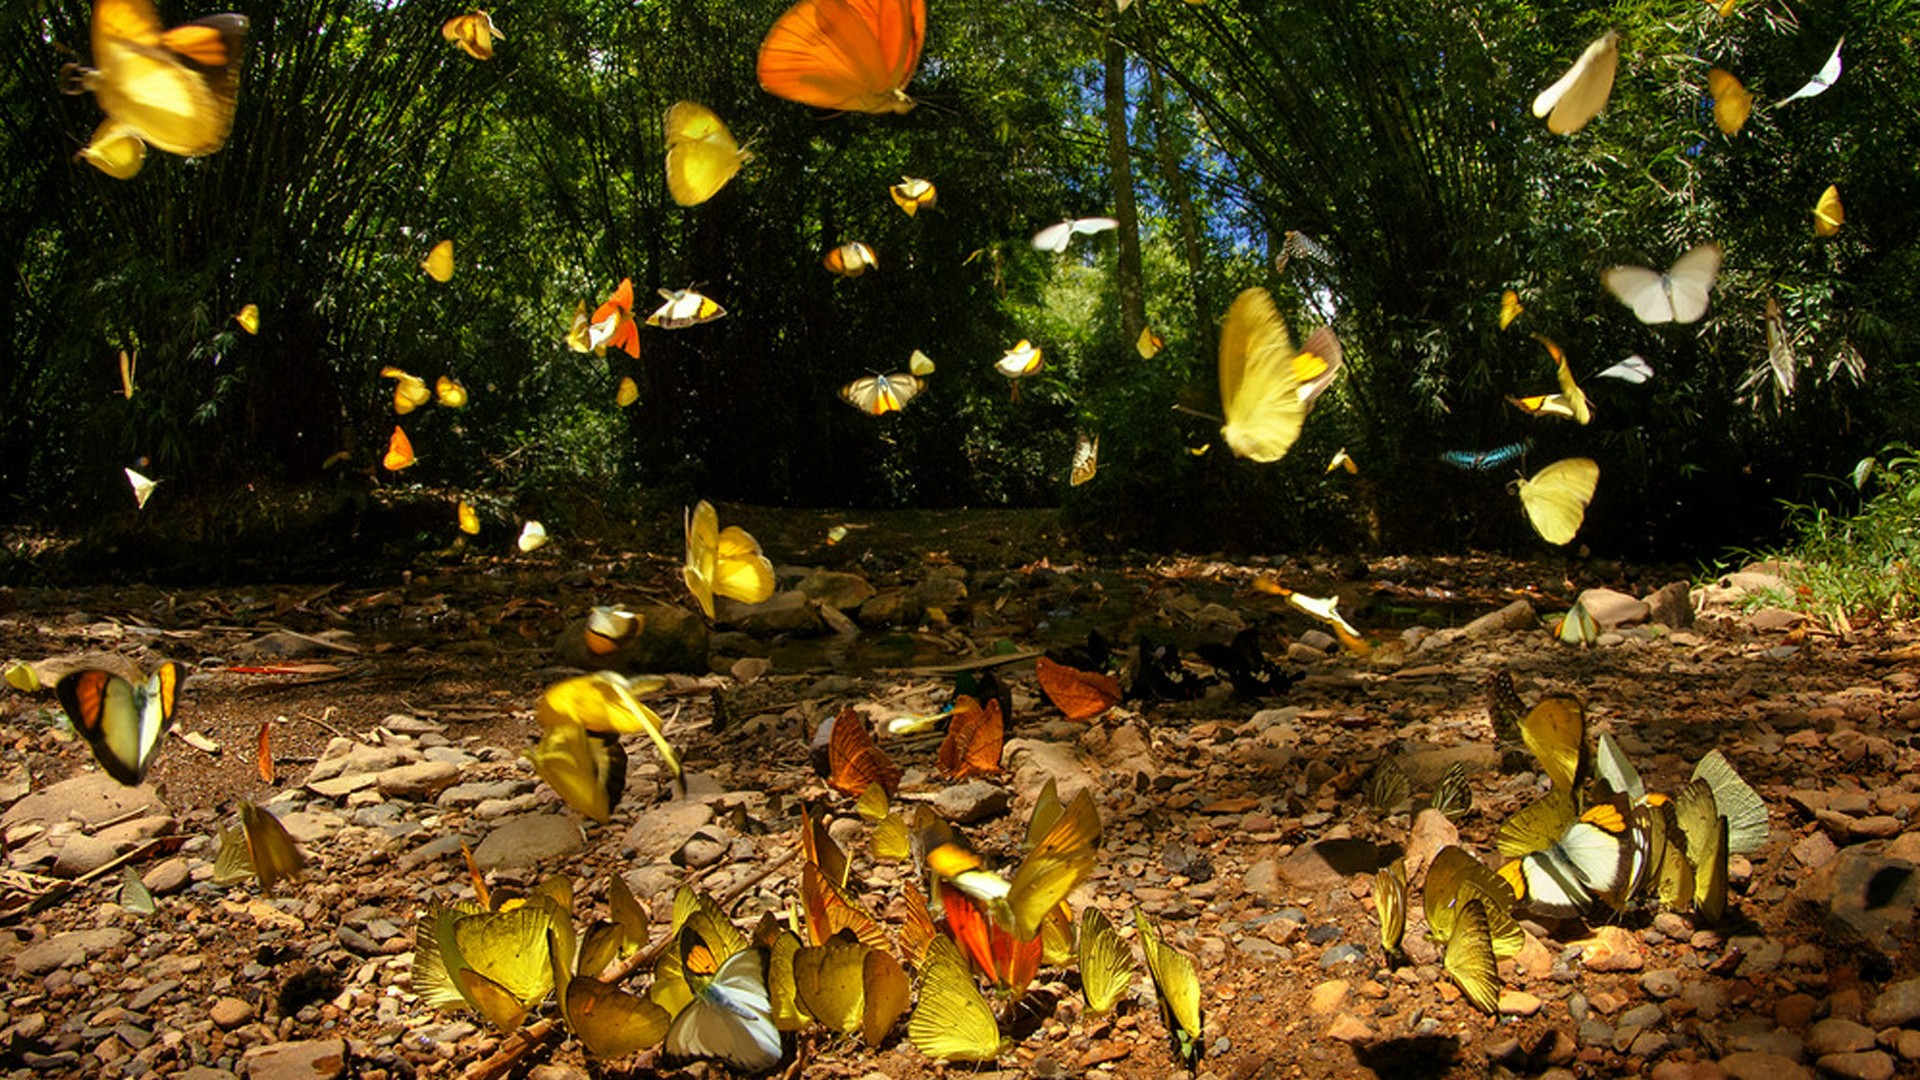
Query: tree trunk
{"type": "Point", "coordinates": [1133, 290]}
{"type": "Point", "coordinates": [1180, 195]}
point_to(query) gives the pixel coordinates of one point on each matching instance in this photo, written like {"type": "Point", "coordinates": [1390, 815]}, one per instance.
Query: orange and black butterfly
{"type": "Point", "coordinates": [1081, 695]}
{"type": "Point", "coordinates": [975, 737]}
{"type": "Point", "coordinates": [854, 760]}
{"type": "Point", "coordinates": [123, 722]}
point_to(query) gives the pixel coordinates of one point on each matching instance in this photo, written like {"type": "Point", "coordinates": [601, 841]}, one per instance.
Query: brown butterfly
{"type": "Point", "coordinates": [264, 753]}
{"type": "Point", "coordinates": [1081, 695]}
{"type": "Point", "coordinates": [854, 760]}
{"type": "Point", "coordinates": [831, 909]}
{"type": "Point", "coordinates": [974, 740]}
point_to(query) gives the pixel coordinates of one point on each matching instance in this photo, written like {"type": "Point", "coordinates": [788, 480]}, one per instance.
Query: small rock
{"type": "Point", "coordinates": [1813, 851]}
{"type": "Point", "coordinates": [702, 849]}
{"type": "Point", "coordinates": [1835, 1036]}
{"type": "Point", "coordinates": [1754, 1065]}
{"type": "Point", "coordinates": [67, 950]}
{"type": "Point", "coordinates": [1327, 997]}
{"type": "Point", "coordinates": [1669, 1069]}
{"type": "Point", "coordinates": [1671, 605]}
{"type": "Point", "coordinates": [230, 1012]}
{"type": "Point", "coordinates": [1518, 1003]}
{"type": "Point", "coordinates": [836, 589]}
{"type": "Point", "coordinates": [1431, 832]}
{"type": "Point", "coordinates": [418, 782]}
{"type": "Point", "coordinates": [169, 877]}
{"type": "Point", "coordinates": [1662, 984]}
{"type": "Point", "coordinates": [1907, 1044]}
{"type": "Point", "coordinates": [1897, 1006]}
{"type": "Point", "coordinates": [660, 831]}
{"type": "Point", "coordinates": [1349, 1029]}
{"type": "Point", "coordinates": [1518, 615]}
{"type": "Point", "coordinates": [314, 1059]}
{"type": "Point", "coordinates": [790, 612]}
{"type": "Point", "coordinates": [1864, 1065]}
{"type": "Point", "coordinates": [975, 800]}
{"type": "Point", "coordinates": [527, 840]}
{"type": "Point", "coordinates": [1612, 948]}
{"type": "Point", "coordinates": [1795, 1011]}
{"type": "Point", "coordinates": [82, 854]}
{"type": "Point", "coordinates": [1611, 609]}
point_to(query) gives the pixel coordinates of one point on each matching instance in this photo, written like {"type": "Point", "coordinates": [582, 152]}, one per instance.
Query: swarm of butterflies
{"type": "Point", "coordinates": [1596, 844]}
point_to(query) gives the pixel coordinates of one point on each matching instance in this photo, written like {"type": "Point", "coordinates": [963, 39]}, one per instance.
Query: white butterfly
{"type": "Point", "coordinates": [533, 536]}
{"type": "Point", "coordinates": [142, 489]}
{"type": "Point", "coordinates": [1817, 85]}
{"type": "Point", "coordinates": [731, 1017]}
{"type": "Point", "coordinates": [1582, 92]}
{"type": "Point", "coordinates": [1679, 295]}
{"type": "Point", "coordinates": [1086, 459]}
{"type": "Point", "coordinates": [1054, 238]}
{"type": "Point", "coordinates": [877, 395]}
{"type": "Point", "coordinates": [1633, 369]}
{"type": "Point", "coordinates": [684, 308]}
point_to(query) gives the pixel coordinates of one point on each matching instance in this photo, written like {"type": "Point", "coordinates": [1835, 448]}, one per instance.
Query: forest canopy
{"type": "Point", "coordinates": [1378, 168]}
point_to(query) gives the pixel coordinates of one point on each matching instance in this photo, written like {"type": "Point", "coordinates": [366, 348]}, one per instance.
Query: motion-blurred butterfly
{"type": "Point", "coordinates": [920, 364]}
{"type": "Point", "coordinates": [1054, 238]}
{"type": "Point", "coordinates": [1828, 75]}
{"type": "Point", "coordinates": [855, 55]}
{"type": "Point", "coordinates": [913, 195]}
{"type": "Point", "coordinates": [1149, 344]}
{"type": "Point", "coordinates": [468, 517]}
{"type": "Point", "coordinates": [701, 153]}
{"type": "Point", "coordinates": [1086, 459]}
{"type": "Point", "coordinates": [588, 772]}
{"type": "Point", "coordinates": [1020, 361]}
{"type": "Point", "coordinates": [173, 89]}
{"type": "Point", "coordinates": [474, 32]}
{"type": "Point", "coordinates": [684, 308]}
{"type": "Point", "coordinates": [1679, 295]}
{"type": "Point", "coordinates": [1483, 460]}
{"type": "Point", "coordinates": [1580, 94]}
{"type": "Point", "coordinates": [124, 722]}
{"type": "Point", "coordinates": [1634, 369]}
{"type": "Point", "coordinates": [1260, 379]}
{"type": "Point", "coordinates": [1510, 308]}
{"type": "Point", "coordinates": [449, 393]}
{"type": "Point", "coordinates": [1343, 460]}
{"type": "Point", "coordinates": [439, 262]}
{"type": "Point", "coordinates": [1828, 214]}
{"type": "Point", "coordinates": [1556, 497]}
{"type": "Point", "coordinates": [1732, 102]}
{"type": "Point", "coordinates": [249, 318]}
{"type": "Point", "coordinates": [142, 488]}
{"type": "Point", "coordinates": [725, 562]}
{"type": "Point", "coordinates": [409, 391]}
{"type": "Point", "coordinates": [399, 451]}
{"type": "Point", "coordinates": [533, 537]}
{"type": "Point", "coordinates": [612, 324]}
{"type": "Point", "coordinates": [1575, 398]}
{"type": "Point", "coordinates": [851, 259]}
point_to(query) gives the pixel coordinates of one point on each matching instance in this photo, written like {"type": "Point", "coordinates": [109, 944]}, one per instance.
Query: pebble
{"type": "Point", "coordinates": [1518, 1003]}
{"type": "Point", "coordinates": [230, 1012]}
{"type": "Point", "coordinates": [311, 1059]}
{"type": "Point", "coordinates": [1863, 1065]}
{"type": "Point", "coordinates": [528, 840]}
{"type": "Point", "coordinates": [973, 801]}
{"type": "Point", "coordinates": [1328, 996]}
{"type": "Point", "coordinates": [1349, 1029]}
{"type": "Point", "coordinates": [1754, 1065]}
{"type": "Point", "coordinates": [1612, 948]}
{"type": "Point", "coordinates": [70, 949]}
{"type": "Point", "coordinates": [1661, 984]}
{"type": "Point", "coordinates": [1836, 1036]}
{"type": "Point", "coordinates": [1897, 1006]}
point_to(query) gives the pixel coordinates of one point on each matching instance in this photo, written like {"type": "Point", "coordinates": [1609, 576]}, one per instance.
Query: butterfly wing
{"type": "Point", "coordinates": [172, 88]}
{"type": "Point", "coordinates": [1086, 459]}
{"type": "Point", "coordinates": [1259, 387]}
{"type": "Point", "coordinates": [731, 1017]}
{"type": "Point", "coordinates": [1690, 282]}
{"type": "Point", "coordinates": [1634, 369]}
{"type": "Point", "coordinates": [1828, 214]}
{"type": "Point", "coordinates": [1643, 290]}
{"type": "Point", "coordinates": [952, 1021]}
{"type": "Point", "coordinates": [1582, 92]}
{"type": "Point", "coordinates": [439, 262]}
{"type": "Point", "coordinates": [1054, 238]}
{"type": "Point", "coordinates": [701, 153]}
{"type": "Point", "coordinates": [703, 554]}
{"type": "Point", "coordinates": [1732, 102]}
{"type": "Point", "coordinates": [1828, 75]}
{"type": "Point", "coordinates": [855, 55]}
{"type": "Point", "coordinates": [742, 572]}
{"type": "Point", "coordinates": [1556, 498]}
{"type": "Point", "coordinates": [1106, 965]}
{"type": "Point", "coordinates": [1470, 959]}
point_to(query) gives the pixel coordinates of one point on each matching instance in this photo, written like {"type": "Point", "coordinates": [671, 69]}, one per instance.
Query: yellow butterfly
{"type": "Point", "coordinates": [500, 961]}
{"type": "Point", "coordinates": [533, 536]}
{"type": "Point", "coordinates": [1555, 730]}
{"type": "Point", "coordinates": [469, 518]}
{"type": "Point", "coordinates": [1707, 834]}
{"type": "Point", "coordinates": [878, 395]}
{"type": "Point", "coordinates": [851, 259]}
{"type": "Point", "coordinates": [724, 562]}
{"type": "Point", "coordinates": [1732, 102]}
{"type": "Point", "coordinates": [1342, 460]}
{"type": "Point", "coordinates": [1020, 361]}
{"type": "Point", "coordinates": [124, 721]}
{"type": "Point", "coordinates": [260, 847]}
{"type": "Point", "coordinates": [1470, 959]}
{"type": "Point", "coordinates": [850, 987]}
{"type": "Point", "coordinates": [249, 318]}
{"type": "Point", "coordinates": [1828, 214]}
{"type": "Point", "coordinates": [142, 488]}
{"type": "Point", "coordinates": [1544, 405]}
{"type": "Point", "coordinates": [608, 1021]}
{"type": "Point", "coordinates": [439, 262]}
{"type": "Point", "coordinates": [627, 392]}
{"type": "Point", "coordinates": [684, 308]}
{"type": "Point", "coordinates": [1570, 391]}
{"type": "Point", "coordinates": [1149, 344]}
{"type": "Point", "coordinates": [913, 195]}
{"type": "Point", "coordinates": [450, 393]}
{"type": "Point", "coordinates": [1577, 627]}
{"type": "Point", "coordinates": [173, 89]}
{"type": "Point", "coordinates": [1106, 965]}
{"type": "Point", "coordinates": [952, 1021]}
{"type": "Point", "coordinates": [1177, 985]}
{"type": "Point", "coordinates": [607, 703]}
{"type": "Point", "coordinates": [129, 363]}
{"type": "Point", "coordinates": [473, 32]}
{"type": "Point", "coordinates": [579, 332]}
{"type": "Point", "coordinates": [1556, 497]}
{"type": "Point", "coordinates": [409, 391]}
{"type": "Point", "coordinates": [701, 153]}
{"type": "Point", "coordinates": [589, 773]}
{"type": "Point", "coordinates": [1510, 308]}
{"type": "Point", "coordinates": [1454, 877]}
{"type": "Point", "coordinates": [920, 364]}
{"type": "Point", "coordinates": [1582, 92]}
{"type": "Point", "coordinates": [1390, 904]}
{"type": "Point", "coordinates": [1086, 459]}
{"type": "Point", "coordinates": [1259, 380]}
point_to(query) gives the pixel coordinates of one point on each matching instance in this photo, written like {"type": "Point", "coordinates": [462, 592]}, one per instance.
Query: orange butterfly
{"type": "Point", "coordinates": [974, 740]}
{"type": "Point", "coordinates": [818, 848]}
{"type": "Point", "coordinates": [613, 322]}
{"type": "Point", "coordinates": [264, 753]}
{"type": "Point", "coordinates": [993, 948]}
{"type": "Point", "coordinates": [831, 909]}
{"type": "Point", "coordinates": [916, 932]}
{"type": "Point", "coordinates": [854, 55]}
{"type": "Point", "coordinates": [1081, 695]}
{"type": "Point", "coordinates": [854, 760]}
{"type": "Point", "coordinates": [399, 451]}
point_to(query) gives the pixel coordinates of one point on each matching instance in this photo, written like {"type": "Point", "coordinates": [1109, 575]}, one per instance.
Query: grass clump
{"type": "Point", "coordinates": [1863, 566]}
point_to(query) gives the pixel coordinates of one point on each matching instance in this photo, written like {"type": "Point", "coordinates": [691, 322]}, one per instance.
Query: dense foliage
{"type": "Point", "coordinates": [1397, 136]}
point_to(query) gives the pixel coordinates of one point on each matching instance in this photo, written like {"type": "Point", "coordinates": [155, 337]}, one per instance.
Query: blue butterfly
{"type": "Point", "coordinates": [1483, 460]}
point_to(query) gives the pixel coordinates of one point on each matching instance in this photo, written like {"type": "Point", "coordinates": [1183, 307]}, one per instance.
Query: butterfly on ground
{"type": "Point", "coordinates": [952, 1020]}
{"type": "Point", "coordinates": [975, 736]}
{"type": "Point", "coordinates": [854, 760]}
{"type": "Point", "coordinates": [1106, 964]}
{"type": "Point", "coordinates": [1176, 984]}
{"type": "Point", "coordinates": [439, 262]}
{"type": "Point", "coordinates": [1679, 295]}
{"type": "Point", "coordinates": [124, 721]}
{"type": "Point", "coordinates": [701, 153]}
{"type": "Point", "coordinates": [851, 259]}
{"type": "Point", "coordinates": [724, 562]}
{"type": "Point", "coordinates": [1081, 695]}
{"type": "Point", "coordinates": [1580, 94]}
{"type": "Point", "coordinates": [1828, 214]}
{"type": "Point", "coordinates": [878, 395]}
{"type": "Point", "coordinates": [474, 32]}
{"type": "Point", "coordinates": [1054, 238]}
{"type": "Point", "coordinates": [850, 55]}
{"type": "Point", "coordinates": [684, 308]}
{"type": "Point", "coordinates": [1732, 102]}
{"type": "Point", "coordinates": [1390, 905]}
{"type": "Point", "coordinates": [1086, 459]}
{"type": "Point", "coordinates": [1828, 74]}
{"type": "Point", "coordinates": [170, 88]}
{"type": "Point", "coordinates": [1262, 376]}
{"type": "Point", "coordinates": [260, 848]}
{"type": "Point", "coordinates": [913, 195]}
{"type": "Point", "coordinates": [1556, 497]}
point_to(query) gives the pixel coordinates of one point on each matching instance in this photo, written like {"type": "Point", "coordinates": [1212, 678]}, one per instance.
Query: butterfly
{"type": "Point", "coordinates": [1262, 377]}
{"type": "Point", "coordinates": [1555, 731]}
{"type": "Point", "coordinates": [1585, 861]}
{"type": "Point", "coordinates": [142, 488]}
{"type": "Point", "coordinates": [580, 330]}
{"type": "Point", "coordinates": [1577, 627]}
{"type": "Point", "coordinates": [1504, 706]}
{"type": "Point", "coordinates": [830, 908]}
{"type": "Point", "coordinates": [450, 393]}
{"type": "Point", "coordinates": [1732, 102]}
{"type": "Point", "coordinates": [260, 847]}
{"type": "Point", "coordinates": [851, 987]}
{"type": "Point", "coordinates": [973, 741]}
{"type": "Point", "coordinates": [1055, 238]}
{"type": "Point", "coordinates": [913, 195]}
{"type": "Point", "coordinates": [1342, 460]}
{"type": "Point", "coordinates": [439, 262]}
{"type": "Point", "coordinates": [263, 753]}
{"type": "Point", "coordinates": [817, 846]}
{"type": "Point", "coordinates": [1177, 986]}
{"type": "Point", "coordinates": [701, 153]}
{"type": "Point", "coordinates": [1390, 904]}
{"type": "Point", "coordinates": [588, 772]}
{"type": "Point", "coordinates": [1388, 788]}
{"type": "Point", "coordinates": [1455, 877]}
{"type": "Point", "coordinates": [1296, 244]}
{"type": "Point", "coordinates": [730, 1016]}
{"type": "Point", "coordinates": [399, 451]}
{"type": "Point", "coordinates": [1020, 361]}
{"type": "Point", "coordinates": [1452, 796]}
{"type": "Point", "coordinates": [1827, 76]}
{"type": "Point", "coordinates": [1149, 344]}
{"type": "Point", "coordinates": [170, 88]}
{"type": "Point", "coordinates": [1708, 835]}
{"type": "Point", "coordinates": [134, 894]}
{"type": "Point", "coordinates": [684, 308]}
{"type": "Point", "coordinates": [608, 1021]}
{"type": "Point", "coordinates": [1470, 959]}
{"type": "Point", "coordinates": [851, 259]}
{"type": "Point", "coordinates": [853, 55]}
{"type": "Point", "coordinates": [1326, 610]}
{"type": "Point", "coordinates": [920, 364]}
{"type": "Point", "coordinates": [1679, 295]}
{"type": "Point", "coordinates": [1556, 498]}
{"type": "Point", "coordinates": [1483, 460]}
{"type": "Point", "coordinates": [854, 760]}
{"type": "Point", "coordinates": [1510, 308]}
{"type": "Point", "coordinates": [499, 961]}
{"type": "Point", "coordinates": [610, 629]}
{"type": "Point", "coordinates": [1735, 800]}
{"type": "Point", "coordinates": [1007, 959]}
{"type": "Point", "coordinates": [473, 32]}
{"type": "Point", "coordinates": [1780, 356]}
{"type": "Point", "coordinates": [1582, 92]}
{"type": "Point", "coordinates": [468, 517]}
{"type": "Point", "coordinates": [1828, 214]}
{"type": "Point", "coordinates": [1081, 695]}
{"type": "Point", "coordinates": [1086, 459]}
{"type": "Point", "coordinates": [627, 392]}
{"type": "Point", "coordinates": [1106, 964]}
{"type": "Point", "coordinates": [533, 537]}
{"type": "Point", "coordinates": [607, 703]}
{"type": "Point", "coordinates": [1569, 390]}
{"type": "Point", "coordinates": [124, 722]}
{"type": "Point", "coordinates": [612, 323]}
{"type": "Point", "coordinates": [1544, 405]}
{"type": "Point", "coordinates": [1633, 369]}
{"type": "Point", "coordinates": [726, 562]}
{"type": "Point", "coordinates": [952, 1020]}
{"type": "Point", "coordinates": [409, 391]}
{"type": "Point", "coordinates": [249, 318]}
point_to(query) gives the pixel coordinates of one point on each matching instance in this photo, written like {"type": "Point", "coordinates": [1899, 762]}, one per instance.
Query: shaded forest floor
{"type": "Point", "coordinates": [1243, 825]}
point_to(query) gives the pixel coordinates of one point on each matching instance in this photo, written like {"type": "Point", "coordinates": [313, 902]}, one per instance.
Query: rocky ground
{"type": "Point", "coordinates": [398, 708]}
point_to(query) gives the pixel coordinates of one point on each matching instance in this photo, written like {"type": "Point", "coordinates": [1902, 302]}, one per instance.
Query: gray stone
{"type": "Point", "coordinates": [82, 854]}
{"type": "Point", "coordinates": [419, 781]}
{"type": "Point", "coordinates": [1612, 609]}
{"type": "Point", "coordinates": [1858, 1065]}
{"type": "Point", "coordinates": [67, 950]}
{"type": "Point", "coordinates": [90, 799]}
{"type": "Point", "coordinates": [975, 800]}
{"type": "Point", "coordinates": [1671, 605]}
{"type": "Point", "coordinates": [836, 589]}
{"type": "Point", "coordinates": [476, 793]}
{"type": "Point", "coordinates": [791, 612]}
{"type": "Point", "coordinates": [314, 1059]}
{"type": "Point", "coordinates": [1518, 615]}
{"type": "Point", "coordinates": [345, 757]}
{"type": "Point", "coordinates": [1755, 1065]}
{"type": "Point", "coordinates": [1897, 1006]}
{"type": "Point", "coordinates": [1033, 762]}
{"type": "Point", "coordinates": [525, 841]}
{"type": "Point", "coordinates": [1873, 902]}
{"type": "Point", "coordinates": [1837, 1036]}
{"type": "Point", "coordinates": [702, 849]}
{"type": "Point", "coordinates": [660, 831]}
